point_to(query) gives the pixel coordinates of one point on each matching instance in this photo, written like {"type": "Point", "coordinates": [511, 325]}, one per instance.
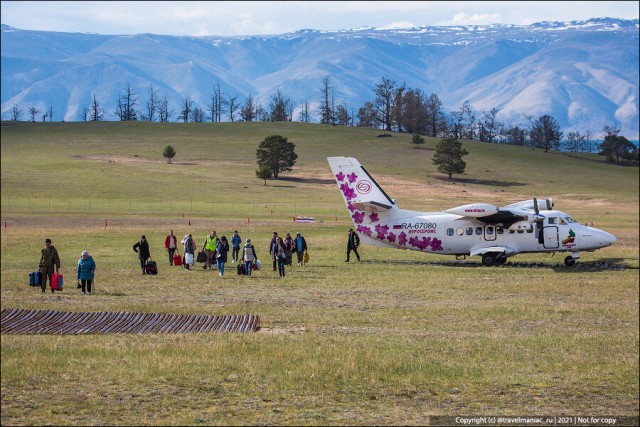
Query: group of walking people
{"type": "Point", "coordinates": [281, 251]}
{"type": "Point", "coordinates": [214, 253]}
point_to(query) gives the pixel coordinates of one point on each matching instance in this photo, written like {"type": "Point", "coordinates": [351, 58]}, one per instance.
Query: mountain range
{"type": "Point", "coordinates": [582, 73]}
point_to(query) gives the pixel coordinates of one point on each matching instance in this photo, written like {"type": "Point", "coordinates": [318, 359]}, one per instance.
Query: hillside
{"type": "Point", "coordinates": [585, 73]}
{"type": "Point", "coordinates": [216, 163]}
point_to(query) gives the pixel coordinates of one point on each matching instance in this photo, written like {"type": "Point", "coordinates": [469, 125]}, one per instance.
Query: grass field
{"type": "Point", "coordinates": [391, 340]}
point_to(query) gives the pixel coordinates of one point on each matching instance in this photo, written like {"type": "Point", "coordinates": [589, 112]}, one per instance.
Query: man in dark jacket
{"type": "Point", "coordinates": [352, 244]}
{"type": "Point", "coordinates": [49, 260]}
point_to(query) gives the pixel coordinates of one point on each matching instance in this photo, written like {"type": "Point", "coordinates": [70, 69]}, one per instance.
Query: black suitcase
{"type": "Point", "coordinates": [35, 278]}
{"type": "Point", "coordinates": [150, 267]}
{"type": "Point", "coordinates": [202, 257]}
{"type": "Point", "coordinates": [242, 270]}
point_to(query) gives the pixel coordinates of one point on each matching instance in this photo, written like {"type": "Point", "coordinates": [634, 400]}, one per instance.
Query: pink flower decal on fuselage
{"type": "Point", "coordinates": [350, 207]}
{"type": "Point", "coordinates": [436, 244]}
{"type": "Point", "coordinates": [364, 230]}
{"type": "Point", "coordinates": [402, 239]}
{"type": "Point", "coordinates": [348, 192]}
{"type": "Point", "coordinates": [340, 176]}
{"type": "Point", "coordinates": [373, 217]}
{"type": "Point", "coordinates": [382, 231]}
{"type": "Point", "coordinates": [358, 217]}
{"type": "Point", "coordinates": [391, 237]}
{"type": "Point", "coordinates": [352, 177]}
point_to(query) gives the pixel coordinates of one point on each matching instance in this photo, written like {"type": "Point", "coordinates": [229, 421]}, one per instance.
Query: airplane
{"type": "Point", "coordinates": [477, 229]}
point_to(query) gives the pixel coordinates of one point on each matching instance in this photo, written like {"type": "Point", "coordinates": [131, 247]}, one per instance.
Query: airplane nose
{"type": "Point", "coordinates": [606, 239]}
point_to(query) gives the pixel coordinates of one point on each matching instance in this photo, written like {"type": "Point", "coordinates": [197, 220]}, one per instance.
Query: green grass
{"type": "Point", "coordinates": [390, 340]}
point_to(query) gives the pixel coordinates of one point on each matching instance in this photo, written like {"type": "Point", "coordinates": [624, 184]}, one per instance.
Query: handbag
{"type": "Point", "coordinates": [306, 257]}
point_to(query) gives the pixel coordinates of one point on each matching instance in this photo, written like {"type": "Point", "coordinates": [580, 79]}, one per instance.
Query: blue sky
{"type": "Point", "coordinates": [232, 18]}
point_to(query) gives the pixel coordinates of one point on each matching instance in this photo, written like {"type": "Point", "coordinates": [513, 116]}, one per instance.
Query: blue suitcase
{"type": "Point", "coordinates": [35, 278]}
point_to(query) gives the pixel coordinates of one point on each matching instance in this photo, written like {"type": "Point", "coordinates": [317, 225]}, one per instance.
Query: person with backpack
{"type": "Point", "coordinates": [288, 245]}
{"type": "Point", "coordinates": [221, 254]}
{"type": "Point", "coordinates": [353, 241]}
{"type": "Point", "coordinates": [272, 249]}
{"type": "Point", "coordinates": [236, 241]}
{"type": "Point", "coordinates": [85, 272]}
{"type": "Point", "coordinates": [301, 247]}
{"type": "Point", "coordinates": [249, 256]}
{"type": "Point", "coordinates": [281, 255]}
{"type": "Point", "coordinates": [49, 260]}
{"type": "Point", "coordinates": [209, 247]}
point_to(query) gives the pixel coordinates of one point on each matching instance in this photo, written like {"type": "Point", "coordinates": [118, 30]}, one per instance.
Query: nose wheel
{"type": "Point", "coordinates": [570, 261]}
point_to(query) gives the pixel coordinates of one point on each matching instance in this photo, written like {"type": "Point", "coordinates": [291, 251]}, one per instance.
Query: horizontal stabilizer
{"type": "Point", "coordinates": [370, 205]}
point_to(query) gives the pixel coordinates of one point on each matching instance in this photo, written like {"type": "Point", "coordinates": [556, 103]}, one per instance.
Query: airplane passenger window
{"type": "Point", "coordinates": [489, 230]}
{"type": "Point", "coordinates": [520, 231]}
{"type": "Point", "coordinates": [449, 231]}
{"type": "Point", "coordinates": [530, 230]}
{"type": "Point", "coordinates": [479, 231]}
{"type": "Point", "coordinates": [500, 230]}
{"type": "Point", "coordinates": [459, 231]}
{"type": "Point", "coordinates": [469, 231]}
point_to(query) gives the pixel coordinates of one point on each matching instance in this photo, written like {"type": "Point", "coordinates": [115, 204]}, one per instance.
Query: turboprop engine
{"type": "Point", "coordinates": [474, 210]}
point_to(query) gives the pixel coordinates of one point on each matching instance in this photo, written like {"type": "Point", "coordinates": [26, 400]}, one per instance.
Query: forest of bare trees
{"type": "Point", "coordinates": [393, 107]}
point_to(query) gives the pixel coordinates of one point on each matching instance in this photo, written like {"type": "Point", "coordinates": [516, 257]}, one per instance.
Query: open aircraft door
{"type": "Point", "coordinates": [551, 239]}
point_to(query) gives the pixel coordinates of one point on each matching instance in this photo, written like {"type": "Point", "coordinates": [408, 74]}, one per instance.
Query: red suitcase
{"type": "Point", "coordinates": [56, 282]}
{"type": "Point", "coordinates": [177, 259]}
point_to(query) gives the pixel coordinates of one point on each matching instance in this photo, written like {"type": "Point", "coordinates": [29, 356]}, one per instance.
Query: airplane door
{"type": "Point", "coordinates": [551, 239]}
{"type": "Point", "coordinates": [489, 232]}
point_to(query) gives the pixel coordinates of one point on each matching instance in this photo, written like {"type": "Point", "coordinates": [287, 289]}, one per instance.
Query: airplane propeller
{"type": "Point", "coordinates": [537, 217]}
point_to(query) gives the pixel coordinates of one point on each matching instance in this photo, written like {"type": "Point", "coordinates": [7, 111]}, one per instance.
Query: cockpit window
{"type": "Point", "coordinates": [569, 220]}
{"type": "Point", "coordinates": [553, 220]}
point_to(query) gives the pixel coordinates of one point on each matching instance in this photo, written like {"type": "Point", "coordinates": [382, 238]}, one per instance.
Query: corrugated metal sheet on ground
{"type": "Point", "coordinates": [19, 321]}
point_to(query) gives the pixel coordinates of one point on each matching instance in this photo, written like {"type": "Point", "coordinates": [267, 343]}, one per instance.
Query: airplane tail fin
{"type": "Point", "coordinates": [366, 201]}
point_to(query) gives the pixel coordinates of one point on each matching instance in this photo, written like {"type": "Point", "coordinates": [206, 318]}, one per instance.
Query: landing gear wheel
{"type": "Point", "coordinates": [501, 259]}
{"type": "Point", "coordinates": [489, 259]}
{"type": "Point", "coordinates": [570, 261]}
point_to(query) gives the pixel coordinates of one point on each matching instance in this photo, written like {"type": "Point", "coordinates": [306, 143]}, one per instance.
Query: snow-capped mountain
{"type": "Point", "coordinates": [583, 73]}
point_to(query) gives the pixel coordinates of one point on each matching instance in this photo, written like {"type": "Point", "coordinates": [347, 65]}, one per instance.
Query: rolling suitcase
{"type": "Point", "coordinates": [177, 259]}
{"type": "Point", "coordinates": [57, 282]}
{"type": "Point", "coordinates": [150, 267]}
{"type": "Point", "coordinates": [35, 278]}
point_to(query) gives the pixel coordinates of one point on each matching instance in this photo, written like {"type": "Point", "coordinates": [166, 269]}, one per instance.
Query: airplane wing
{"type": "Point", "coordinates": [505, 217]}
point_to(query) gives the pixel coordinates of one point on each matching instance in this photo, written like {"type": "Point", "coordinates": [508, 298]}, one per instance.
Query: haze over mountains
{"type": "Point", "coordinates": [583, 73]}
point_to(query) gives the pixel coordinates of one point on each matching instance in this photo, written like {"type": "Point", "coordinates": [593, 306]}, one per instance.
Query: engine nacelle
{"type": "Point", "coordinates": [474, 210]}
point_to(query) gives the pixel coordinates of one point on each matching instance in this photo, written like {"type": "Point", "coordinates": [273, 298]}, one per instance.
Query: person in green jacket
{"type": "Point", "coordinates": [49, 260]}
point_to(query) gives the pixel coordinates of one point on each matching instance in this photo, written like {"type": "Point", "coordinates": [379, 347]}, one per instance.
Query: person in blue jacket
{"type": "Point", "coordinates": [85, 272]}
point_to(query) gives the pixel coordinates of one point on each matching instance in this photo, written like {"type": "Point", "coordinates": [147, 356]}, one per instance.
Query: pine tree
{"type": "Point", "coordinates": [448, 156]}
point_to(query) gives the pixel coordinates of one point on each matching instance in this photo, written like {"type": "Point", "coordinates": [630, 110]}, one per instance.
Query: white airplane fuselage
{"type": "Point", "coordinates": [452, 234]}
{"type": "Point", "coordinates": [477, 229]}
